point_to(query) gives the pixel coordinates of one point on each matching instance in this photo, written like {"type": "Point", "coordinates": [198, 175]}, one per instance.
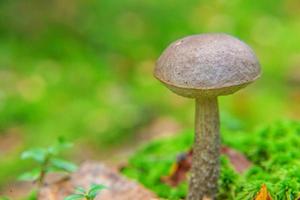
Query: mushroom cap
{"type": "Point", "coordinates": [207, 65]}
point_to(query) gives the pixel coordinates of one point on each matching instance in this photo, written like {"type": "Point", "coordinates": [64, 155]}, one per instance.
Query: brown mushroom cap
{"type": "Point", "coordinates": [207, 65]}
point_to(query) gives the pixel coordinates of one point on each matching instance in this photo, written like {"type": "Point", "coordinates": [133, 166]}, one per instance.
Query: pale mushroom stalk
{"type": "Point", "coordinates": [204, 67]}
{"type": "Point", "coordinates": [206, 150]}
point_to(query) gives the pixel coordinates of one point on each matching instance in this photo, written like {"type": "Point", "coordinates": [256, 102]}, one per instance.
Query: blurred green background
{"type": "Point", "coordinates": [82, 69]}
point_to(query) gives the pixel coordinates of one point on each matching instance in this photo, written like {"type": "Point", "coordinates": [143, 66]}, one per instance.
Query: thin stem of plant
{"type": "Point", "coordinates": [43, 171]}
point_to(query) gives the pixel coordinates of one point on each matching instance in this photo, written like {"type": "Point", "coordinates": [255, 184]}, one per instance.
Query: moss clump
{"type": "Point", "coordinates": [274, 151]}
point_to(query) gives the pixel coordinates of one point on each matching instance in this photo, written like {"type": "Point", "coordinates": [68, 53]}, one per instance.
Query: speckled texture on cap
{"type": "Point", "coordinates": [208, 64]}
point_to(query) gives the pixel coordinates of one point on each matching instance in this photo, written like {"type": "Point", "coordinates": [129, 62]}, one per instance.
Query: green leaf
{"type": "Point", "coordinates": [80, 190]}
{"type": "Point", "coordinates": [74, 197]}
{"type": "Point", "coordinates": [30, 176]}
{"type": "Point", "coordinates": [37, 154]}
{"type": "Point", "coordinates": [63, 165]}
{"type": "Point", "coordinates": [61, 145]}
{"type": "Point", "coordinates": [95, 189]}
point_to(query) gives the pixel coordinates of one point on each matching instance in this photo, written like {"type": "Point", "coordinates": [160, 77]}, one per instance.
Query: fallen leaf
{"type": "Point", "coordinates": [237, 159]}
{"type": "Point", "coordinates": [119, 187]}
{"type": "Point", "coordinates": [263, 194]}
{"type": "Point", "coordinates": [179, 169]}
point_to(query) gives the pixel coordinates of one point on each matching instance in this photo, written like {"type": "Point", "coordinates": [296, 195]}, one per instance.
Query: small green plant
{"type": "Point", "coordinates": [91, 194]}
{"type": "Point", "coordinates": [48, 162]}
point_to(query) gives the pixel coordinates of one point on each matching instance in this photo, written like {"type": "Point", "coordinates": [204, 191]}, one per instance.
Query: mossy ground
{"type": "Point", "coordinates": [273, 150]}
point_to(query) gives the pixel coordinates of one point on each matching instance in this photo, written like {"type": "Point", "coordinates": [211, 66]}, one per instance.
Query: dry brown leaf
{"type": "Point", "coordinates": [179, 169]}
{"type": "Point", "coordinates": [120, 188]}
{"type": "Point", "coordinates": [238, 160]}
{"type": "Point", "coordinates": [263, 194]}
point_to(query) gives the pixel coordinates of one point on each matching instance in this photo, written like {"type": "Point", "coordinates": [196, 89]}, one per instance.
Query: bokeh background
{"type": "Point", "coordinates": [82, 69]}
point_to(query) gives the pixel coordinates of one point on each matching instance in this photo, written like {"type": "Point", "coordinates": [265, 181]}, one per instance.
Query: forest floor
{"type": "Point", "coordinates": [113, 158]}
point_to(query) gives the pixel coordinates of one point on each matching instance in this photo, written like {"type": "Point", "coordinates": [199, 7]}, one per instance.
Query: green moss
{"type": "Point", "coordinates": [274, 151]}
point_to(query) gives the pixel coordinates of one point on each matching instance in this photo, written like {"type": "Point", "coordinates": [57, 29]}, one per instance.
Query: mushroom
{"type": "Point", "coordinates": [204, 67]}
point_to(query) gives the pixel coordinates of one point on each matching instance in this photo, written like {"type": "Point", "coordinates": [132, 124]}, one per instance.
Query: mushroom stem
{"type": "Point", "coordinates": [206, 151]}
